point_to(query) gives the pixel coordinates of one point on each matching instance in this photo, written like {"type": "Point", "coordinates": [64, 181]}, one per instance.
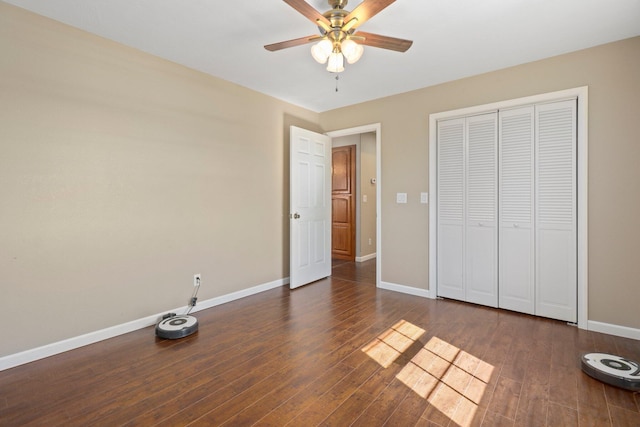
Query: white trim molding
{"type": "Point", "coordinates": [617, 330]}
{"type": "Point", "coordinates": [405, 289]}
{"type": "Point", "coordinates": [239, 294]}
{"type": "Point", "coordinates": [582, 96]}
{"type": "Point", "coordinates": [366, 257]}
{"type": "Point", "coordinates": [13, 360]}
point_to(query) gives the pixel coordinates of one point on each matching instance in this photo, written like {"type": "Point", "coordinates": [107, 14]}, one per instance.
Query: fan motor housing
{"type": "Point", "coordinates": [337, 4]}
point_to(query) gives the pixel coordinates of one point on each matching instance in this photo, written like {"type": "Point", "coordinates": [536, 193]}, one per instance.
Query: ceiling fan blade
{"type": "Point", "coordinates": [291, 43]}
{"type": "Point", "coordinates": [366, 10]}
{"type": "Point", "coordinates": [384, 42]}
{"type": "Point", "coordinates": [308, 11]}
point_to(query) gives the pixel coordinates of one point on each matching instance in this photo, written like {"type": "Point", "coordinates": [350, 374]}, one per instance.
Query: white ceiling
{"type": "Point", "coordinates": [452, 39]}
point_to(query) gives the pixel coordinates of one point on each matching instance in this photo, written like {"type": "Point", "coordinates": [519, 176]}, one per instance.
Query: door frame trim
{"type": "Point", "coordinates": [377, 129]}
{"type": "Point", "coordinates": [582, 95]}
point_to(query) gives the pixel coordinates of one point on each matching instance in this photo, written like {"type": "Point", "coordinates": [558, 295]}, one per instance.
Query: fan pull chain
{"type": "Point", "coordinates": [337, 79]}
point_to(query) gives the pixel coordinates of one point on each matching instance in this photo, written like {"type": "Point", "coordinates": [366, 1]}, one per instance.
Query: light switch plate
{"type": "Point", "coordinates": [424, 197]}
{"type": "Point", "coordinates": [401, 197]}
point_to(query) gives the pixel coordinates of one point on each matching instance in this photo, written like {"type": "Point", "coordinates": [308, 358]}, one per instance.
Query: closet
{"type": "Point", "coordinates": [506, 209]}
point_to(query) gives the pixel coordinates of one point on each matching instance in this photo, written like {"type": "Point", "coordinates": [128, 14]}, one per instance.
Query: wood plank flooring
{"type": "Point", "coordinates": [338, 352]}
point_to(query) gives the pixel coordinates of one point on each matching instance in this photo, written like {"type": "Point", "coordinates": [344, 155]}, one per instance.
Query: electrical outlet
{"type": "Point", "coordinates": [196, 279]}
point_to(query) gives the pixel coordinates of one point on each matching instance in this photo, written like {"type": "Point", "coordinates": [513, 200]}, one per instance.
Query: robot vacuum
{"type": "Point", "coordinates": [174, 326]}
{"type": "Point", "coordinates": [613, 370]}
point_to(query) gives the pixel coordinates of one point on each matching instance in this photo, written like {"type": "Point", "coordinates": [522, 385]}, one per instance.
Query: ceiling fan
{"type": "Point", "coordinates": [338, 39]}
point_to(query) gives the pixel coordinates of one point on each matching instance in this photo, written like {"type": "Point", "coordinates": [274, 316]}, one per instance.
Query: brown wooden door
{"type": "Point", "coordinates": [343, 212]}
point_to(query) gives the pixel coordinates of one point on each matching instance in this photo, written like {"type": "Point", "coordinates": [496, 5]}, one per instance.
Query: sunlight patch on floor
{"type": "Point", "coordinates": [452, 380]}
{"type": "Point", "coordinates": [389, 345]}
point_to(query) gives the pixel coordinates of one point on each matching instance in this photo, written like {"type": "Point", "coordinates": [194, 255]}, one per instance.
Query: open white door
{"type": "Point", "coordinates": [310, 207]}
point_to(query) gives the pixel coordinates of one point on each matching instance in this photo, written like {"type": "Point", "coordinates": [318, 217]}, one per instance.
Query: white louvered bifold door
{"type": "Point", "coordinates": [450, 244]}
{"type": "Point", "coordinates": [555, 217]}
{"type": "Point", "coordinates": [481, 233]}
{"type": "Point", "coordinates": [516, 264]}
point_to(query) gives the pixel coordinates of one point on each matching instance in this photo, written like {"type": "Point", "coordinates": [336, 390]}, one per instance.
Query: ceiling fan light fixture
{"type": "Point", "coordinates": [352, 51]}
{"type": "Point", "coordinates": [336, 62]}
{"type": "Point", "coordinates": [338, 37]}
{"type": "Point", "coordinates": [321, 50]}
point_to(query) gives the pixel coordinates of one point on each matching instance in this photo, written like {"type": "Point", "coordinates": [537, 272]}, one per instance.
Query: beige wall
{"type": "Point", "coordinates": [612, 73]}
{"type": "Point", "coordinates": [122, 175]}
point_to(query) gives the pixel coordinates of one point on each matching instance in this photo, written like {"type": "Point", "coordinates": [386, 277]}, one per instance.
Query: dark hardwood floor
{"type": "Point", "coordinates": [338, 352]}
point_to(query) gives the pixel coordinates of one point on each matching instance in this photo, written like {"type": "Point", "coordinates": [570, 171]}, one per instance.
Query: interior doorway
{"type": "Point", "coordinates": [343, 198]}
{"type": "Point", "coordinates": [366, 199]}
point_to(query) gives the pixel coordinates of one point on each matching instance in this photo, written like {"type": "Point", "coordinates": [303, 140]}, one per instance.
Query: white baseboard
{"type": "Point", "coordinates": [608, 328]}
{"type": "Point", "coordinates": [13, 360]}
{"type": "Point", "coordinates": [239, 294]}
{"type": "Point", "coordinates": [366, 257]}
{"type": "Point", "coordinates": [405, 289]}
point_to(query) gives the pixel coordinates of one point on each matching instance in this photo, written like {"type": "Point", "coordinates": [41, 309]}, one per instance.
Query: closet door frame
{"type": "Point", "coordinates": [579, 93]}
